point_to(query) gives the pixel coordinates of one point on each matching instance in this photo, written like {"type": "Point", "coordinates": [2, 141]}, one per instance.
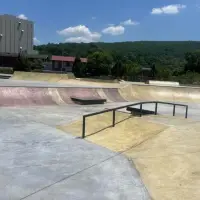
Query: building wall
{"type": "Point", "coordinates": [12, 36]}
{"type": "Point", "coordinates": [62, 66]}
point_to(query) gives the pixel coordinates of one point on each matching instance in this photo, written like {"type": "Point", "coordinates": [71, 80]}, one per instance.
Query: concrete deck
{"type": "Point", "coordinates": [40, 162]}
{"type": "Point", "coordinates": [41, 84]}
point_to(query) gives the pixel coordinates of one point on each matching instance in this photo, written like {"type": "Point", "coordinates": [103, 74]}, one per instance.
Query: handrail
{"type": "Point", "coordinates": [134, 104]}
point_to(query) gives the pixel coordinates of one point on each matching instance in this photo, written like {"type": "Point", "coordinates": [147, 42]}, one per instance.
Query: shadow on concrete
{"type": "Point", "coordinates": [109, 126]}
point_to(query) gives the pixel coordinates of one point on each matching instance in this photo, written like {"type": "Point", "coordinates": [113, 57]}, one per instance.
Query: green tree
{"type": "Point", "coordinates": [36, 65]}
{"type": "Point", "coordinates": [163, 74]}
{"type": "Point", "coordinates": [99, 63]}
{"type": "Point", "coordinates": [153, 70]}
{"type": "Point", "coordinates": [192, 61]}
{"type": "Point", "coordinates": [132, 70]}
{"type": "Point", "coordinates": [78, 68]}
{"type": "Point", "coordinates": [118, 69]}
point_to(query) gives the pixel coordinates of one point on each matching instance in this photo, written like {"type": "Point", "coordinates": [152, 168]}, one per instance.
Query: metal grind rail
{"type": "Point", "coordinates": [134, 104]}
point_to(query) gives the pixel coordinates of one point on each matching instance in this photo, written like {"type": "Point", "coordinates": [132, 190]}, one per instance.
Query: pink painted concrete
{"type": "Point", "coordinates": [66, 93]}
{"type": "Point", "coordinates": [114, 95]}
{"type": "Point", "coordinates": [20, 96]}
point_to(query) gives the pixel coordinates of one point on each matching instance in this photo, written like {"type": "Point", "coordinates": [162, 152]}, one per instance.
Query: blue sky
{"type": "Point", "coordinates": [108, 20]}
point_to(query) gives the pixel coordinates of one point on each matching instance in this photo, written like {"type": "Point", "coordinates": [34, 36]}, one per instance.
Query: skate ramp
{"type": "Point", "coordinates": [120, 91]}
{"type": "Point", "coordinates": [17, 96]}
{"type": "Point", "coordinates": [31, 96]}
{"type": "Point", "coordinates": [160, 93]}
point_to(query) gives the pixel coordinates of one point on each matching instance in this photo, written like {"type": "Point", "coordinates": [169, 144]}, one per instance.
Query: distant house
{"type": "Point", "coordinates": [64, 63]}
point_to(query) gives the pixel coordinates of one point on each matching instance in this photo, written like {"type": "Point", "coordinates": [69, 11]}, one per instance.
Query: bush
{"type": "Point", "coordinates": [6, 70]}
{"type": "Point", "coordinates": [22, 64]}
{"type": "Point", "coordinates": [192, 78]}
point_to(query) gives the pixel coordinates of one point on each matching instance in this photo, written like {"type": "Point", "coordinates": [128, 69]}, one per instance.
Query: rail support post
{"type": "Point", "coordinates": [141, 110]}
{"type": "Point", "coordinates": [156, 108]}
{"type": "Point", "coordinates": [186, 112]}
{"type": "Point", "coordinates": [174, 110]}
{"type": "Point", "coordinates": [113, 122]}
{"type": "Point", "coordinates": [83, 128]}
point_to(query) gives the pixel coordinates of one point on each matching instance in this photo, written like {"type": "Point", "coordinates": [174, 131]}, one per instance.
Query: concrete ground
{"type": "Point", "coordinates": [164, 149]}
{"type": "Point", "coordinates": [40, 162]}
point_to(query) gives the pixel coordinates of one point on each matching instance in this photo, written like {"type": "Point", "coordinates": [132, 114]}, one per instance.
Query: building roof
{"type": "Point", "coordinates": [67, 59]}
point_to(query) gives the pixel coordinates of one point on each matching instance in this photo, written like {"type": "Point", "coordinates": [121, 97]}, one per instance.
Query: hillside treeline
{"type": "Point", "coordinates": [177, 61]}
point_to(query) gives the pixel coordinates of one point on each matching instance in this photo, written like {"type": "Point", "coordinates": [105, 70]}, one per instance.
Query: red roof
{"type": "Point", "coordinates": [66, 59]}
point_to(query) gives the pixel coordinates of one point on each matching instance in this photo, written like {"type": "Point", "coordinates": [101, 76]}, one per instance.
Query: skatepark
{"type": "Point", "coordinates": [44, 157]}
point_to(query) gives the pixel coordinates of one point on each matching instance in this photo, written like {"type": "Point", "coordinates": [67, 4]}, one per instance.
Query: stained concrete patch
{"type": "Point", "coordinates": [93, 124]}
{"type": "Point", "coordinates": [165, 150]}
{"type": "Point", "coordinates": [169, 163]}
{"type": "Point", "coordinates": [128, 132]}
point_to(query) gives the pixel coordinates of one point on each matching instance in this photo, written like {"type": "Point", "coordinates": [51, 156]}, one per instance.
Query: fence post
{"type": "Point", "coordinates": [83, 128]}
{"type": "Point", "coordinates": [156, 108]}
{"type": "Point", "coordinates": [186, 112]}
{"type": "Point", "coordinates": [174, 110]}
{"type": "Point", "coordinates": [113, 123]}
{"type": "Point", "coordinates": [141, 110]}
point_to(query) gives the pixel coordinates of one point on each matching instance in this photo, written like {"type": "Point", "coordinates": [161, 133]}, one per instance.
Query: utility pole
{"type": "Point", "coordinates": [61, 70]}
{"type": "Point", "coordinates": [1, 45]}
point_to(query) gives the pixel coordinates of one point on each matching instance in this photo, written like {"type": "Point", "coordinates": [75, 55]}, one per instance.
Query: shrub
{"type": "Point", "coordinates": [6, 70]}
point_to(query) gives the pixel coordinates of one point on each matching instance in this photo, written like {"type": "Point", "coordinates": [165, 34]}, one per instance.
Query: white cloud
{"type": "Point", "coordinates": [36, 41]}
{"type": "Point", "coordinates": [78, 40]}
{"type": "Point", "coordinates": [22, 16]}
{"type": "Point", "coordinates": [129, 22]}
{"type": "Point", "coordinates": [170, 9]}
{"type": "Point", "coordinates": [114, 30]}
{"type": "Point", "coordinates": [79, 34]}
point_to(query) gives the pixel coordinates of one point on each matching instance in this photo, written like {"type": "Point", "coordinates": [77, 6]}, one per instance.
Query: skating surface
{"type": "Point", "coordinates": [40, 162]}
{"type": "Point", "coordinates": [164, 149]}
{"type": "Point", "coordinates": [41, 159]}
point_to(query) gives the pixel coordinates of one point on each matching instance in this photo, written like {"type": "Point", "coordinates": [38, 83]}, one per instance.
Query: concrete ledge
{"type": "Point", "coordinates": [164, 83]}
{"type": "Point", "coordinates": [87, 100]}
{"type": "Point", "coordinates": [136, 111]}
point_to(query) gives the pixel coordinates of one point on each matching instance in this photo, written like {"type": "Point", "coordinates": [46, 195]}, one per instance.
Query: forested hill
{"type": "Point", "coordinates": [146, 48]}
{"type": "Point", "coordinates": [179, 61]}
